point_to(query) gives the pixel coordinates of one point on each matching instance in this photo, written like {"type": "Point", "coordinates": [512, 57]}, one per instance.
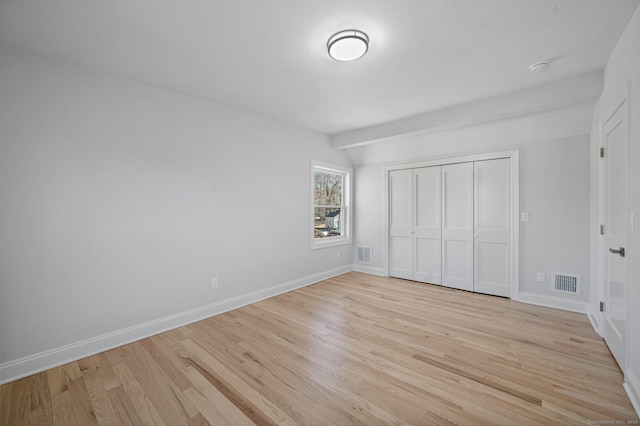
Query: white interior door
{"type": "Point", "coordinates": [426, 231]}
{"type": "Point", "coordinates": [457, 226]}
{"type": "Point", "coordinates": [614, 210]}
{"type": "Point", "coordinates": [492, 227]}
{"type": "Point", "coordinates": [400, 224]}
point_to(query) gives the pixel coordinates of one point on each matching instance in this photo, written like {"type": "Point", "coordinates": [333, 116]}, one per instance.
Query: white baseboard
{"type": "Point", "coordinates": [369, 270]}
{"type": "Point", "coordinates": [554, 302]}
{"type": "Point", "coordinates": [632, 386]}
{"type": "Point", "coordinates": [594, 319]}
{"type": "Point", "coordinates": [23, 367]}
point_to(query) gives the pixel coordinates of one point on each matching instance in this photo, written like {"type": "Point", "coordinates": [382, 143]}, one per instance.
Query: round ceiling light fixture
{"type": "Point", "coordinates": [348, 45]}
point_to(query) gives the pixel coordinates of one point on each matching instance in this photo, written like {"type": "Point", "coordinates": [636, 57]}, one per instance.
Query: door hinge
{"type": "Point", "coordinates": [601, 306]}
{"type": "Point", "coordinates": [602, 152]}
{"type": "Point", "coordinates": [601, 229]}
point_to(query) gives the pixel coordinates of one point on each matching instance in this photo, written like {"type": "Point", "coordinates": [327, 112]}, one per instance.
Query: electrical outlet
{"type": "Point", "coordinates": [540, 277]}
{"type": "Point", "coordinates": [525, 216]}
{"type": "Point", "coordinates": [214, 283]}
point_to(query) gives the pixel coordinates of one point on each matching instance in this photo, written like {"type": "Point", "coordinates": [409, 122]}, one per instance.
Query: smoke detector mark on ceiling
{"type": "Point", "coordinates": [538, 67]}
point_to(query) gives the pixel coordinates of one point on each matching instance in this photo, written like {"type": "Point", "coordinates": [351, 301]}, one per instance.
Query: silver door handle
{"type": "Point", "coordinates": [620, 252]}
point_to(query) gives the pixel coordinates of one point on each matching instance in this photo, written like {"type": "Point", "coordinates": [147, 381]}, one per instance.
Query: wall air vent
{"type": "Point", "coordinates": [364, 255]}
{"type": "Point", "coordinates": [566, 283]}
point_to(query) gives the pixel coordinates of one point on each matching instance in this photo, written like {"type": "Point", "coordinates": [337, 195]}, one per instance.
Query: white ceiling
{"type": "Point", "coordinates": [270, 57]}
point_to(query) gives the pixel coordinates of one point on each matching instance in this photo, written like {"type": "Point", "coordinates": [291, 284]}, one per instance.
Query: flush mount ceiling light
{"type": "Point", "coordinates": [348, 45]}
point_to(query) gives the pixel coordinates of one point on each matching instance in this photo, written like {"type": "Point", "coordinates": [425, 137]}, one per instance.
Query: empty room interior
{"type": "Point", "coordinates": [286, 212]}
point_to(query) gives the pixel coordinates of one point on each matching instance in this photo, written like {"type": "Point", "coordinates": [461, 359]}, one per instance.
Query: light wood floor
{"type": "Point", "coordinates": [356, 349]}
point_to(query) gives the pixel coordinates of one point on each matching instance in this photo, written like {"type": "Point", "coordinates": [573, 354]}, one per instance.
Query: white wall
{"type": "Point", "coordinates": [554, 189]}
{"type": "Point", "coordinates": [622, 68]}
{"type": "Point", "coordinates": [120, 202]}
{"type": "Point", "coordinates": [369, 202]}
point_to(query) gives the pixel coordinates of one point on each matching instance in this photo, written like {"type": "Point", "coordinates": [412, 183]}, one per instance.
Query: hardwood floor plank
{"type": "Point", "coordinates": [208, 410]}
{"type": "Point", "coordinates": [253, 396]}
{"type": "Point", "coordinates": [104, 412]}
{"type": "Point", "coordinates": [105, 370]}
{"type": "Point", "coordinates": [355, 349]}
{"type": "Point", "coordinates": [199, 420]}
{"type": "Point", "coordinates": [81, 403]}
{"type": "Point", "coordinates": [260, 410]}
{"type": "Point", "coordinates": [479, 379]}
{"type": "Point", "coordinates": [154, 383]}
{"type": "Point", "coordinates": [124, 407]}
{"type": "Point", "coordinates": [6, 404]}
{"type": "Point", "coordinates": [143, 407]}
{"type": "Point", "coordinates": [59, 377]}
{"type": "Point", "coordinates": [41, 412]}
{"type": "Point", "coordinates": [62, 409]}
{"type": "Point", "coordinates": [212, 396]}
{"type": "Point", "coordinates": [172, 393]}
{"type": "Point", "coordinates": [18, 408]}
{"type": "Point", "coordinates": [163, 352]}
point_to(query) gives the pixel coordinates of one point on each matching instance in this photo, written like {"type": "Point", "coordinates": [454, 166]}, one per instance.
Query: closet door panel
{"type": "Point", "coordinates": [400, 224]}
{"type": "Point", "coordinates": [491, 268]}
{"type": "Point", "coordinates": [427, 224]}
{"type": "Point", "coordinates": [492, 217]}
{"type": "Point", "coordinates": [427, 260]}
{"type": "Point", "coordinates": [457, 226]}
{"type": "Point", "coordinates": [457, 256]}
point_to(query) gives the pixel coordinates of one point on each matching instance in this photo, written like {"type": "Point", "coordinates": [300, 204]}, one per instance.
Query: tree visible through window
{"type": "Point", "coordinates": [327, 203]}
{"type": "Point", "coordinates": [330, 203]}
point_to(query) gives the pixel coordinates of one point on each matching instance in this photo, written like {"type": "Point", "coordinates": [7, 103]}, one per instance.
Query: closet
{"type": "Point", "coordinates": [451, 225]}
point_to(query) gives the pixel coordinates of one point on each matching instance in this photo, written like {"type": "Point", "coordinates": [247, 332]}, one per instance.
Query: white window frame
{"type": "Point", "coordinates": [345, 212]}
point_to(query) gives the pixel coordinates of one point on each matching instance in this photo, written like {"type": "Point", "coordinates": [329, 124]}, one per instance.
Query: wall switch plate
{"type": "Point", "coordinates": [541, 277]}
{"type": "Point", "coordinates": [214, 283]}
{"type": "Point", "coordinates": [525, 216]}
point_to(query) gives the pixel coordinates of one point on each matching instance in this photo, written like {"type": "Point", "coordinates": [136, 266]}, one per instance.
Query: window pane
{"type": "Point", "coordinates": [327, 188]}
{"type": "Point", "coordinates": [327, 222]}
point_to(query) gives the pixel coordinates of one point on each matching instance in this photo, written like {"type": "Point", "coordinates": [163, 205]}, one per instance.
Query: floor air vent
{"type": "Point", "coordinates": [564, 283]}
{"type": "Point", "coordinates": [364, 255]}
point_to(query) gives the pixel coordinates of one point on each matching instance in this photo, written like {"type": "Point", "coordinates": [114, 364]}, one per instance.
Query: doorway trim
{"type": "Point", "coordinates": [620, 101]}
{"type": "Point", "coordinates": [514, 156]}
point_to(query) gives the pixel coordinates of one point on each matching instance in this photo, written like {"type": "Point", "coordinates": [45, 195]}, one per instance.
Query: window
{"type": "Point", "coordinates": [331, 215]}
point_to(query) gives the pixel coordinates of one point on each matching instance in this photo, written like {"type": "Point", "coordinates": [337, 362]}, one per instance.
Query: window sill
{"type": "Point", "coordinates": [331, 242]}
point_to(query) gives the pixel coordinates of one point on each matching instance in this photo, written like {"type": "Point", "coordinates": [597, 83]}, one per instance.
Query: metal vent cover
{"type": "Point", "coordinates": [364, 255]}
{"type": "Point", "coordinates": [566, 283]}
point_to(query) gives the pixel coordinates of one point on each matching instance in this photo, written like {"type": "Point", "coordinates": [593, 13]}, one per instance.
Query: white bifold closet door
{"type": "Point", "coordinates": [414, 218]}
{"type": "Point", "coordinates": [457, 226]}
{"type": "Point", "coordinates": [400, 224]}
{"type": "Point", "coordinates": [492, 227]}
{"type": "Point", "coordinates": [451, 225]}
{"type": "Point", "coordinates": [426, 225]}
